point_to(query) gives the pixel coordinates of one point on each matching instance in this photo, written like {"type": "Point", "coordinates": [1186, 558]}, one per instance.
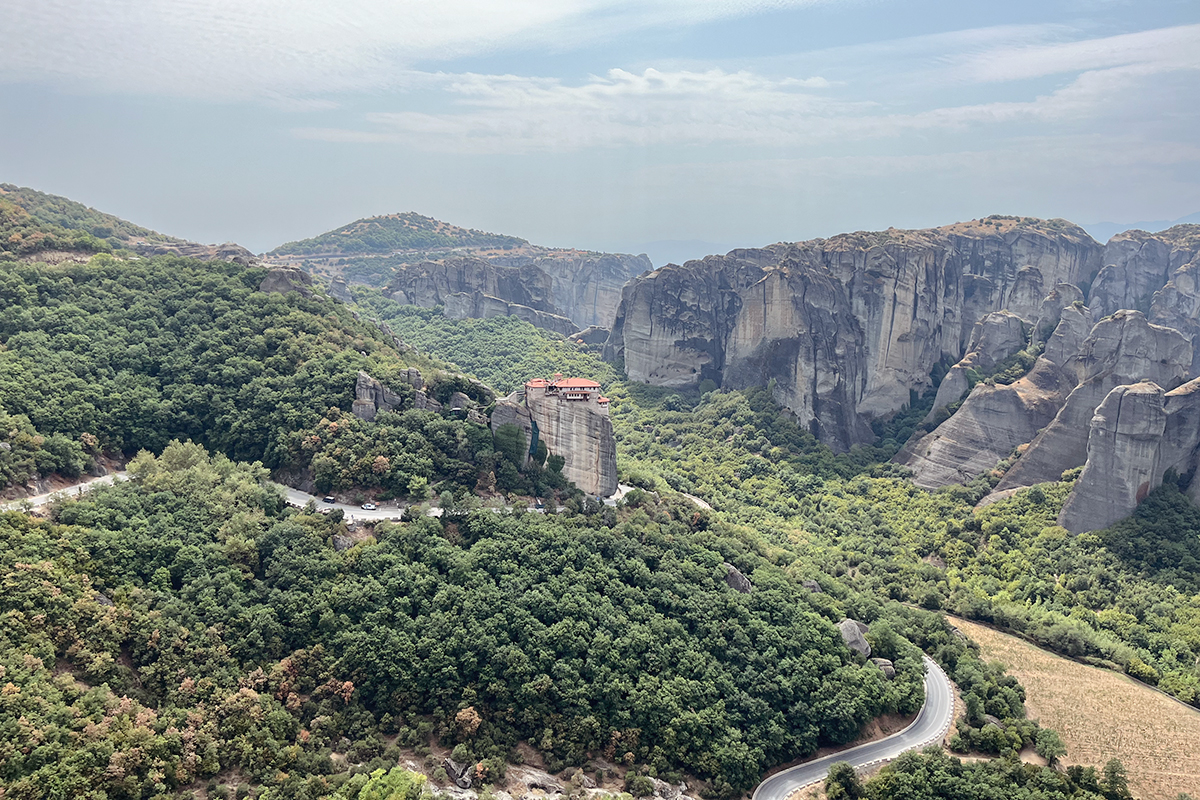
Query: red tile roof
{"type": "Point", "coordinates": [575, 383]}
{"type": "Point", "coordinates": [536, 383]}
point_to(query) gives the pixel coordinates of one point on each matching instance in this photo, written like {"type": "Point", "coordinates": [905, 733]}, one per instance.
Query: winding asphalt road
{"type": "Point", "coordinates": [929, 726]}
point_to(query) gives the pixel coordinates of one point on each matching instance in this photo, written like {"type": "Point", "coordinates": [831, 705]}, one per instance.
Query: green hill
{"type": "Point", "coordinates": [394, 233]}
{"type": "Point", "coordinates": [46, 221]}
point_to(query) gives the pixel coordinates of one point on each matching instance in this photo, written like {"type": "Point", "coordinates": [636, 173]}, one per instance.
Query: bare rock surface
{"type": "Point", "coordinates": [854, 635]}
{"type": "Point", "coordinates": [477, 305]}
{"type": "Point", "coordinates": [1138, 433]}
{"type": "Point", "coordinates": [1122, 349]}
{"type": "Point", "coordinates": [994, 338]}
{"type": "Point", "coordinates": [845, 326]}
{"type": "Point", "coordinates": [287, 279]}
{"type": "Point", "coordinates": [736, 580]}
{"type": "Point", "coordinates": [577, 431]}
{"type": "Point", "coordinates": [340, 290]}
{"type": "Point", "coordinates": [591, 335]}
{"type": "Point", "coordinates": [1123, 450]}
{"type": "Point", "coordinates": [991, 423]}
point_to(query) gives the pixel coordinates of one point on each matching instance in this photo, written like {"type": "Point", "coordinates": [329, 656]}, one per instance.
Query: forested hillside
{"type": "Point", "coordinates": [392, 233]}
{"type": "Point", "coordinates": [216, 630]}
{"type": "Point", "coordinates": [78, 223]}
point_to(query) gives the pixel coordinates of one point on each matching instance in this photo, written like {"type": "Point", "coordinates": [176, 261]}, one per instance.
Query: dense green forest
{"type": "Point", "coordinates": [130, 355]}
{"type": "Point", "coordinates": [185, 623]}
{"type": "Point", "coordinates": [388, 234]}
{"type": "Point", "coordinates": [23, 235]}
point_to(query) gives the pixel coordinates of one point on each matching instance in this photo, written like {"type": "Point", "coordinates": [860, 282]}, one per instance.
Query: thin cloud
{"type": "Point", "coordinates": [517, 114]}
{"type": "Point", "coordinates": [256, 49]}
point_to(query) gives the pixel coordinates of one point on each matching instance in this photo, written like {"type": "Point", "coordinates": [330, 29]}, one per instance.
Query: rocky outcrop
{"type": "Point", "coordinates": [590, 335]}
{"type": "Point", "coordinates": [287, 279]}
{"type": "Point", "coordinates": [1136, 265]}
{"type": "Point", "coordinates": [854, 635]}
{"type": "Point", "coordinates": [430, 283]}
{"type": "Point", "coordinates": [994, 338]}
{"type": "Point", "coordinates": [561, 294]}
{"type": "Point", "coordinates": [1074, 326]}
{"type": "Point", "coordinates": [577, 431]}
{"type": "Point", "coordinates": [371, 397]}
{"type": "Point", "coordinates": [1122, 349]}
{"type": "Point", "coordinates": [736, 580]}
{"type": "Point", "coordinates": [229, 251]}
{"type": "Point", "coordinates": [340, 290]}
{"type": "Point", "coordinates": [992, 422]}
{"type": "Point", "coordinates": [1177, 305]}
{"type": "Point", "coordinates": [886, 667]}
{"type": "Point", "coordinates": [1123, 450]}
{"type": "Point", "coordinates": [1137, 435]}
{"type": "Point", "coordinates": [847, 326]}
{"type": "Point", "coordinates": [477, 305]}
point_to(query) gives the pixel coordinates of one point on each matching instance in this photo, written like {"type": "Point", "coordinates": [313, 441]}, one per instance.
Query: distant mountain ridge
{"type": "Point", "coordinates": [389, 234]}
{"type": "Point", "coordinates": [1103, 231]}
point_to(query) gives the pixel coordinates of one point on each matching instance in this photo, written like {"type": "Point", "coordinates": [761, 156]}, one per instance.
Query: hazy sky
{"type": "Point", "coordinates": [602, 123]}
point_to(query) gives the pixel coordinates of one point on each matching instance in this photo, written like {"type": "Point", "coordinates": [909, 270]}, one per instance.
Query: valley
{"type": "Point", "coordinates": [824, 447]}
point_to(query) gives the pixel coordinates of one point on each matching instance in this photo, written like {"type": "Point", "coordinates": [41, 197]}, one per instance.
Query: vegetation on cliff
{"type": "Point", "coordinates": [503, 352]}
{"type": "Point", "coordinates": [392, 233]}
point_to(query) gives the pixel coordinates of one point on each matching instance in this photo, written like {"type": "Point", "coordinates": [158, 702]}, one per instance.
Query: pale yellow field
{"type": "Point", "coordinates": [1103, 714]}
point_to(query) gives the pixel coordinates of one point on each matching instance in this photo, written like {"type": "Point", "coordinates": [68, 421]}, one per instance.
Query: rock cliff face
{"type": "Point", "coordinates": [563, 292]}
{"type": "Point", "coordinates": [477, 305]}
{"type": "Point", "coordinates": [587, 286]}
{"type": "Point", "coordinates": [994, 338]}
{"type": "Point", "coordinates": [430, 283]}
{"type": "Point", "coordinates": [993, 421]}
{"type": "Point", "coordinates": [846, 326]}
{"type": "Point", "coordinates": [1137, 434]}
{"type": "Point", "coordinates": [1122, 349]}
{"type": "Point", "coordinates": [577, 431]}
{"type": "Point", "coordinates": [371, 397]}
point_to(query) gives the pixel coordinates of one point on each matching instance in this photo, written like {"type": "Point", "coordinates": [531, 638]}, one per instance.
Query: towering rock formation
{"type": "Point", "coordinates": [846, 326]}
{"type": "Point", "coordinates": [371, 397]}
{"type": "Point", "coordinates": [282, 280]}
{"type": "Point", "coordinates": [994, 338]}
{"type": "Point", "coordinates": [1137, 264]}
{"type": "Point", "coordinates": [992, 422]}
{"type": "Point", "coordinates": [1122, 349]}
{"type": "Point", "coordinates": [587, 286]}
{"type": "Point", "coordinates": [572, 419]}
{"type": "Point", "coordinates": [1137, 434]}
{"type": "Point", "coordinates": [477, 305]}
{"type": "Point", "coordinates": [563, 291]}
{"type": "Point", "coordinates": [430, 283]}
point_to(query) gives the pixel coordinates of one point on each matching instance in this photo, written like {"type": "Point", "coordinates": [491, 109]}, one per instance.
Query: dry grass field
{"type": "Point", "coordinates": [1103, 714]}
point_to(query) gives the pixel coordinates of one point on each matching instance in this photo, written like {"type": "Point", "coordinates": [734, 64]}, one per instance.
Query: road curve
{"type": "Point", "coordinates": [39, 500]}
{"type": "Point", "coordinates": [929, 726]}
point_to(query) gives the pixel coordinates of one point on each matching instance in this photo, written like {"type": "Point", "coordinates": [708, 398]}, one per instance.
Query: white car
{"type": "Point", "coordinates": [369, 507]}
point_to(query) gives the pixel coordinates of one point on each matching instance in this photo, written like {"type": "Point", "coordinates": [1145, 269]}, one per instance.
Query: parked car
{"type": "Point", "coordinates": [329, 499]}
{"type": "Point", "coordinates": [369, 506]}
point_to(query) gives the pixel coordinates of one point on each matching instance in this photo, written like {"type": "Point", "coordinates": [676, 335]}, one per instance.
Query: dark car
{"type": "Point", "coordinates": [329, 499]}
